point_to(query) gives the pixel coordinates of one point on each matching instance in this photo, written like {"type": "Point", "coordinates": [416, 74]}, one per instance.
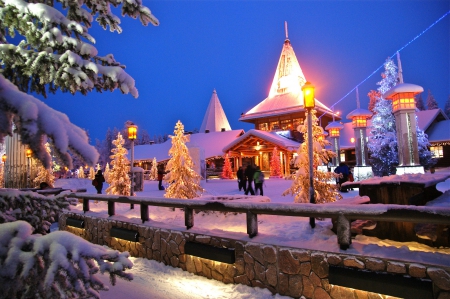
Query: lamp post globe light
{"type": "Point", "coordinates": [309, 104]}
{"type": "Point", "coordinates": [132, 135]}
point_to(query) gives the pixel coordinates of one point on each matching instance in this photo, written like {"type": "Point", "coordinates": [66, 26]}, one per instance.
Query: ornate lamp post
{"type": "Point", "coordinates": [309, 104]}
{"type": "Point", "coordinates": [334, 128]}
{"type": "Point", "coordinates": [28, 153]}
{"type": "Point", "coordinates": [4, 169]}
{"type": "Point", "coordinates": [132, 135]}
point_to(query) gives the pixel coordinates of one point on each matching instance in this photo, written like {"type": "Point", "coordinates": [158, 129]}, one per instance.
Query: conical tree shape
{"type": "Point", "coordinates": [154, 170]}
{"type": "Point", "coordinates": [183, 181]}
{"type": "Point", "coordinates": [81, 172]}
{"type": "Point", "coordinates": [44, 175]}
{"type": "Point", "coordinates": [119, 181]}
{"type": "Point", "coordinates": [324, 191]}
{"type": "Point", "coordinates": [227, 172]}
{"type": "Point", "coordinates": [106, 173]}
{"type": "Point", "coordinates": [275, 163]}
{"type": "Point", "coordinates": [91, 173]}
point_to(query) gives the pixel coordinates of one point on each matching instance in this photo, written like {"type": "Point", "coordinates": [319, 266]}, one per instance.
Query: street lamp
{"type": "Point", "coordinates": [132, 135]}
{"type": "Point", "coordinates": [309, 104]}
{"type": "Point", "coordinates": [28, 153]}
{"type": "Point", "coordinates": [4, 169]}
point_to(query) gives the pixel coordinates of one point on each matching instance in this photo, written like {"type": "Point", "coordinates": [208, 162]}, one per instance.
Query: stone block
{"type": "Point", "coordinates": [320, 293]}
{"type": "Point", "coordinates": [319, 265]}
{"type": "Point", "coordinates": [287, 263]}
{"type": "Point", "coordinates": [301, 255]}
{"type": "Point", "coordinates": [270, 254]}
{"type": "Point", "coordinates": [260, 271]}
{"type": "Point", "coordinates": [416, 270]}
{"type": "Point", "coordinates": [375, 265]}
{"type": "Point", "coordinates": [353, 262]}
{"type": "Point", "coordinates": [216, 275]}
{"type": "Point", "coordinates": [242, 279]}
{"type": "Point", "coordinates": [255, 251]}
{"type": "Point", "coordinates": [295, 286]}
{"type": "Point", "coordinates": [271, 275]}
{"type": "Point", "coordinates": [308, 287]}
{"type": "Point", "coordinates": [249, 271]}
{"type": "Point", "coordinates": [315, 280]}
{"type": "Point", "coordinates": [305, 268]}
{"type": "Point", "coordinates": [395, 267]}
{"type": "Point", "coordinates": [440, 278]}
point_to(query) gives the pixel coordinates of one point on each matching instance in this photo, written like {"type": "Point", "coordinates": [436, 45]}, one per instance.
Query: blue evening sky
{"type": "Point", "coordinates": [234, 47]}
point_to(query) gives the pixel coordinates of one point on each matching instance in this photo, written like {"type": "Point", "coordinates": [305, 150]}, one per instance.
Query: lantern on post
{"type": "Point", "coordinates": [334, 128]}
{"type": "Point", "coordinates": [28, 153]}
{"type": "Point", "coordinates": [132, 135]}
{"type": "Point", "coordinates": [309, 104]}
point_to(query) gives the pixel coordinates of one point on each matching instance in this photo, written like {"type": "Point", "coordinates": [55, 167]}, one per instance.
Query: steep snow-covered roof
{"type": "Point", "coordinates": [439, 132]}
{"type": "Point", "coordinates": [272, 137]}
{"type": "Point", "coordinates": [426, 117]}
{"type": "Point", "coordinates": [212, 143]}
{"type": "Point", "coordinates": [285, 95]}
{"type": "Point", "coordinates": [215, 119]}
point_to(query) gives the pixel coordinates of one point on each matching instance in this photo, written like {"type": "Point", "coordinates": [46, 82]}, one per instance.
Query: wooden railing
{"type": "Point", "coordinates": [343, 213]}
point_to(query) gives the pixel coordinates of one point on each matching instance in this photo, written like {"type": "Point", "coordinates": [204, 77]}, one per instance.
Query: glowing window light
{"type": "Point", "coordinates": [352, 140]}
{"type": "Point", "coordinates": [334, 132]}
{"type": "Point", "coordinates": [359, 122]}
{"type": "Point", "coordinates": [28, 153]}
{"type": "Point", "coordinates": [403, 100]}
{"type": "Point", "coordinates": [308, 95]}
{"type": "Point", "coordinates": [132, 132]}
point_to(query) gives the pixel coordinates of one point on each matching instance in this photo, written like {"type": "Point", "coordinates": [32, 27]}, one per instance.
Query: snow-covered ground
{"type": "Point", "coordinates": [154, 280]}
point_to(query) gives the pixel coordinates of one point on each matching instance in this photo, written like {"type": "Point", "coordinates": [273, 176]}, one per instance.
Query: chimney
{"type": "Point", "coordinates": [223, 130]}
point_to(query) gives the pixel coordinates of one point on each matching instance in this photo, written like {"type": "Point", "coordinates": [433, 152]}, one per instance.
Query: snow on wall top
{"type": "Point", "coordinates": [215, 119]}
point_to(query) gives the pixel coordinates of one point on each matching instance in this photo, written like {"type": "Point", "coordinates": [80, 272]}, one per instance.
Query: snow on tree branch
{"type": "Point", "coordinates": [57, 265]}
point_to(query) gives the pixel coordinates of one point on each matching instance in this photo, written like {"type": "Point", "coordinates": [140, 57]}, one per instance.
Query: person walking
{"type": "Point", "coordinates": [249, 172]}
{"type": "Point", "coordinates": [258, 177]}
{"type": "Point", "coordinates": [343, 172]}
{"type": "Point", "coordinates": [242, 181]}
{"type": "Point", "coordinates": [98, 181]}
{"type": "Point", "coordinates": [160, 177]}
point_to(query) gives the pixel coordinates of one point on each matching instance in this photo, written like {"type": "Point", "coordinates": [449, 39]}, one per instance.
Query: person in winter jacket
{"type": "Point", "coordinates": [343, 172]}
{"type": "Point", "coordinates": [249, 172]}
{"type": "Point", "coordinates": [100, 179]}
{"type": "Point", "coordinates": [242, 180]}
{"type": "Point", "coordinates": [258, 177]}
{"type": "Point", "coordinates": [160, 177]}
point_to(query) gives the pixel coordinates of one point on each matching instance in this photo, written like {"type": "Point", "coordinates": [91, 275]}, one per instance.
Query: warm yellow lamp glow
{"type": "Point", "coordinates": [334, 132]}
{"type": "Point", "coordinates": [4, 158]}
{"type": "Point", "coordinates": [132, 132]}
{"type": "Point", "coordinates": [359, 122]}
{"type": "Point", "coordinates": [403, 100]}
{"type": "Point", "coordinates": [28, 153]}
{"type": "Point", "coordinates": [352, 140]}
{"type": "Point", "coordinates": [308, 95]}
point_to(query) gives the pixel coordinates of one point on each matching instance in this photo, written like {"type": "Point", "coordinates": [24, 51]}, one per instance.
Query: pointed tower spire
{"type": "Point", "coordinates": [215, 119]}
{"type": "Point", "coordinates": [286, 30]}
{"type": "Point", "coordinates": [358, 104]}
{"type": "Point", "coordinates": [400, 71]}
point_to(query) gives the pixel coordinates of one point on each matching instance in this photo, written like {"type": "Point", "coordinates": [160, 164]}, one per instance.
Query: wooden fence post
{"type": "Point", "coordinates": [111, 208]}
{"type": "Point", "coordinates": [252, 224]}
{"type": "Point", "coordinates": [188, 217]}
{"type": "Point", "coordinates": [344, 234]}
{"type": "Point", "coordinates": [144, 212]}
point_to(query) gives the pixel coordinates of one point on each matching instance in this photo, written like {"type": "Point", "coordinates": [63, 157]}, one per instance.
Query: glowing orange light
{"type": "Point", "coordinates": [28, 153]}
{"type": "Point", "coordinates": [403, 100]}
{"type": "Point", "coordinates": [334, 132]}
{"type": "Point", "coordinates": [359, 121]}
{"type": "Point", "coordinates": [132, 132]}
{"type": "Point", "coordinates": [308, 95]}
{"type": "Point", "coordinates": [4, 158]}
{"type": "Point", "coordinates": [352, 140]}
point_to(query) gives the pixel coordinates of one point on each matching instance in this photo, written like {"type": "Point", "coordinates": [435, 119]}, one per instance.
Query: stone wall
{"type": "Point", "coordinates": [288, 271]}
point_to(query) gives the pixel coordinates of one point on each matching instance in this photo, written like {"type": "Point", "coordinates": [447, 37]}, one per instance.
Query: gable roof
{"type": "Point", "coordinates": [215, 119]}
{"type": "Point", "coordinates": [212, 143]}
{"type": "Point", "coordinates": [426, 117]}
{"type": "Point", "coordinates": [285, 95]}
{"type": "Point", "coordinates": [439, 132]}
{"type": "Point", "coordinates": [271, 137]}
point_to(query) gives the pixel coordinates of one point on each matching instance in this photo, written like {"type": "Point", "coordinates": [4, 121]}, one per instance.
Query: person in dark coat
{"type": "Point", "coordinates": [100, 180]}
{"type": "Point", "coordinates": [343, 172]}
{"type": "Point", "coordinates": [160, 177]}
{"type": "Point", "coordinates": [242, 180]}
{"type": "Point", "coordinates": [259, 180]}
{"type": "Point", "coordinates": [249, 172]}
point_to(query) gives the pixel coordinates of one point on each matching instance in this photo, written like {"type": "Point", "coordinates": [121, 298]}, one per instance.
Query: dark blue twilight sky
{"type": "Point", "coordinates": [234, 47]}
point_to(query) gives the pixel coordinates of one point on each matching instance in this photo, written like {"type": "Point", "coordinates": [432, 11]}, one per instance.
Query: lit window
{"type": "Point", "coordinates": [403, 100]}
{"type": "Point", "coordinates": [274, 125]}
{"type": "Point", "coordinates": [342, 157]}
{"type": "Point", "coordinates": [437, 151]}
{"type": "Point", "coordinates": [334, 132]}
{"type": "Point", "coordinates": [359, 122]}
{"type": "Point", "coordinates": [263, 127]}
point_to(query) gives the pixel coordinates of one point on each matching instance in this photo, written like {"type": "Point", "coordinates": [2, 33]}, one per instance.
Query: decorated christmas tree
{"type": "Point", "coordinates": [183, 181]}
{"type": "Point", "coordinates": [97, 167]}
{"type": "Point", "coordinates": [154, 170]}
{"type": "Point", "coordinates": [91, 173]}
{"type": "Point", "coordinates": [118, 179]}
{"type": "Point", "coordinates": [382, 143]}
{"type": "Point", "coordinates": [81, 172]}
{"type": "Point", "coordinates": [324, 191]}
{"type": "Point", "coordinates": [43, 174]}
{"type": "Point", "coordinates": [227, 172]}
{"type": "Point", "coordinates": [275, 163]}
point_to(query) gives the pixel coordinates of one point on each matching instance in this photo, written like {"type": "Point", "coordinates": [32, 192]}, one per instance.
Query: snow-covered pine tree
{"type": "Point", "coordinates": [431, 102]}
{"type": "Point", "coordinates": [106, 173]}
{"type": "Point", "coordinates": [44, 174]}
{"type": "Point", "coordinates": [46, 46]}
{"type": "Point", "coordinates": [447, 107]}
{"type": "Point", "coordinates": [419, 102]}
{"type": "Point", "coordinates": [275, 163]}
{"type": "Point", "coordinates": [324, 191]}
{"type": "Point", "coordinates": [154, 170]}
{"type": "Point", "coordinates": [58, 265]}
{"type": "Point", "coordinates": [81, 172]}
{"type": "Point", "coordinates": [118, 179]}
{"type": "Point", "coordinates": [145, 137]}
{"type": "Point", "coordinates": [227, 172]}
{"type": "Point", "coordinates": [97, 167]}
{"type": "Point", "coordinates": [183, 181]}
{"type": "Point", "coordinates": [382, 143]}
{"type": "Point", "coordinates": [373, 98]}
{"type": "Point", "coordinates": [91, 173]}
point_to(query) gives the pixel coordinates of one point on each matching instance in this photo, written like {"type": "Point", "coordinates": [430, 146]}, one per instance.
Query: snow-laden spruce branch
{"type": "Point", "coordinates": [43, 50]}
{"type": "Point", "coordinates": [57, 265]}
{"type": "Point", "coordinates": [38, 210]}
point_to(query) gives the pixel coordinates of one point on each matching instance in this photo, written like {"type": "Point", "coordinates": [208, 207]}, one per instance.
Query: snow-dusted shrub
{"type": "Point", "coordinates": [57, 265]}
{"type": "Point", "coordinates": [38, 210]}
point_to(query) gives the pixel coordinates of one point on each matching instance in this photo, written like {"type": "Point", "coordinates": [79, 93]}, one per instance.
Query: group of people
{"type": "Point", "coordinates": [248, 175]}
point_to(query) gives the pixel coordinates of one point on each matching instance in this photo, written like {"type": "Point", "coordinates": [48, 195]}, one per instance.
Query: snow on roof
{"type": "Point", "coordinates": [272, 137]}
{"type": "Point", "coordinates": [403, 87]}
{"type": "Point", "coordinates": [334, 125]}
{"type": "Point", "coordinates": [212, 143]}
{"type": "Point", "coordinates": [345, 135]}
{"type": "Point", "coordinates": [285, 95]}
{"type": "Point", "coordinates": [359, 112]}
{"type": "Point", "coordinates": [426, 117]}
{"type": "Point", "coordinates": [215, 119]}
{"type": "Point", "coordinates": [439, 132]}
